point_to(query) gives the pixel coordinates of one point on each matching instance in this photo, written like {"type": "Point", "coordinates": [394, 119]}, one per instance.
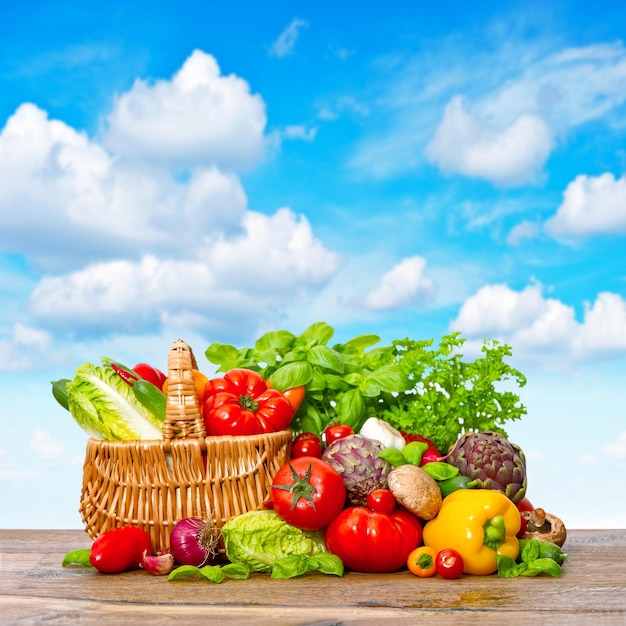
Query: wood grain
{"type": "Point", "coordinates": [35, 588]}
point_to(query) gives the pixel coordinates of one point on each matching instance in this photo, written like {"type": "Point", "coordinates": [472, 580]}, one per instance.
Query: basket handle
{"type": "Point", "coordinates": [183, 418]}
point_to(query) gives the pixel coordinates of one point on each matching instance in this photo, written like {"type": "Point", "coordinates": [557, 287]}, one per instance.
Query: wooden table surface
{"type": "Point", "coordinates": [35, 588]}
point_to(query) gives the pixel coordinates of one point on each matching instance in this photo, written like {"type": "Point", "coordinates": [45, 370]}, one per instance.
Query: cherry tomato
{"type": "Point", "coordinates": [308, 493]}
{"type": "Point", "coordinates": [336, 431]}
{"type": "Point", "coordinates": [306, 444]}
{"type": "Point", "coordinates": [449, 563]}
{"type": "Point", "coordinates": [525, 505]}
{"type": "Point", "coordinates": [523, 527]}
{"type": "Point", "coordinates": [381, 500]}
{"type": "Point", "coordinates": [422, 562]}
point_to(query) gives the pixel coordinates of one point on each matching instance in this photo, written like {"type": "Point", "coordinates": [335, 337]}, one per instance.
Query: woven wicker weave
{"type": "Point", "coordinates": [153, 484]}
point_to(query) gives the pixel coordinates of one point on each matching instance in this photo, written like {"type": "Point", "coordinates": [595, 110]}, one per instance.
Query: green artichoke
{"type": "Point", "coordinates": [493, 461]}
{"type": "Point", "coordinates": [356, 460]}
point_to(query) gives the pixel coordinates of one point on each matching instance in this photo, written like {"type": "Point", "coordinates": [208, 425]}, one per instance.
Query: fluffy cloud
{"type": "Point", "coordinates": [286, 41]}
{"type": "Point", "coordinates": [23, 349]}
{"type": "Point", "coordinates": [402, 285]}
{"type": "Point", "coordinates": [44, 446]}
{"type": "Point", "coordinates": [509, 156]}
{"type": "Point", "coordinates": [272, 262]}
{"type": "Point", "coordinates": [591, 205]}
{"type": "Point", "coordinates": [64, 199]}
{"type": "Point", "coordinates": [198, 118]}
{"type": "Point", "coordinates": [521, 97]}
{"type": "Point", "coordinates": [545, 328]}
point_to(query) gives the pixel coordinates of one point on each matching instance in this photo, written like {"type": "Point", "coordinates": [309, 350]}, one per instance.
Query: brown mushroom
{"type": "Point", "coordinates": [544, 526]}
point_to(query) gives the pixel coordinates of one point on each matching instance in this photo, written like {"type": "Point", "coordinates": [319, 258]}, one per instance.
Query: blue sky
{"type": "Point", "coordinates": [192, 170]}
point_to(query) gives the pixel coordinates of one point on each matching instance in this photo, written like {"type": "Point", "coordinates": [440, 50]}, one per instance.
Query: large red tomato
{"type": "Point", "coordinates": [373, 541]}
{"type": "Point", "coordinates": [241, 404]}
{"type": "Point", "coordinates": [308, 493]}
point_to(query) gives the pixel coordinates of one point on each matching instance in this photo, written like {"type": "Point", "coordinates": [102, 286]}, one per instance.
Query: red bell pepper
{"type": "Point", "coordinates": [240, 403]}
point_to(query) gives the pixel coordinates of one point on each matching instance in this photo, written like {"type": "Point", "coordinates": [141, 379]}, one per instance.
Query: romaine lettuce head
{"type": "Point", "coordinates": [259, 538]}
{"type": "Point", "coordinates": [106, 408]}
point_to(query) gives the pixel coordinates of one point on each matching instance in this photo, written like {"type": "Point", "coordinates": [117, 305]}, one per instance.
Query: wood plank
{"type": "Point", "coordinates": [34, 587]}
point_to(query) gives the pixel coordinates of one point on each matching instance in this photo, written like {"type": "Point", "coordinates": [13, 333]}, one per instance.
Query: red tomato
{"type": "Point", "coordinates": [151, 374]}
{"type": "Point", "coordinates": [525, 505]}
{"type": "Point", "coordinates": [373, 541]}
{"type": "Point", "coordinates": [308, 493]}
{"type": "Point", "coordinates": [449, 563]}
{"type": "Point", "coordinates": [381, 500]}
{"type": "Point", "coordinates": [336, 431]}
{"type": "Point", "coordinates": [241, 404]}
{"type": "Point", "coordinates": [306, 444]}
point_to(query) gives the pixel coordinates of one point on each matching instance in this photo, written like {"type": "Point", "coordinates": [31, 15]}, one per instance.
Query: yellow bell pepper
{"type": "Point", "coordinates": [477, 523]}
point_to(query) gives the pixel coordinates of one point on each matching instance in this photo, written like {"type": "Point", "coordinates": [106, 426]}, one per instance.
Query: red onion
{"type": "Point", "coordinates": [194, 542]}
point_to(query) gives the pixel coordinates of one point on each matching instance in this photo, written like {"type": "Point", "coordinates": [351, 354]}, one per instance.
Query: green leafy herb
{"type": "Point", "coordinates": [536, 557]}
{"type": "Point", "coordinates": [416, 387]}
{"type": "Point", "coordinates": [78, 557]}
{"type": "Point", "coordinates": [440, 470]}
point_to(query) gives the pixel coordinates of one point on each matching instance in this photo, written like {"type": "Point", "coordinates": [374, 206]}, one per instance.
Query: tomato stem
{"type": "Point", "coordinates": [301, 488]}
{"type": "Point", "coordinates": [248, 403]}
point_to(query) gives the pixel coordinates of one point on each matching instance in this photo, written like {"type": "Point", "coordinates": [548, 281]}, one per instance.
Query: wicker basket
{"type": "Point", "coordinates": [153, 484]}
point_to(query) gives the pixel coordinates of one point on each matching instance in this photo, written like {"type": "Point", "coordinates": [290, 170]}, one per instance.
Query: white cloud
{"type": "Point", "coordinates": [198, 118]}
{"type": "Point", "coordinates": [286, 41]}
{"type": "Point", "coordinates": [507, 156]}
{"type": "Point", "coordinates": [522, 231]}
{"type": "Point", "coordinates": [402, 285]}
{"type": "Point", "coordinates": [617, 449]}
{"type": "Point", "coordinates": [44, 446]}
{"type": "Point", "coordinates": [545, 329]}
{"type": "Point", "coordinates": [273, 261]}
{"type": "Point", "coordinates": [300, 132]}
{"type": "Point", "coordinates": [65, 200]}
{"type": "Point", "coordinates": [23, 349]}
{"type": "Point", "coordinates": [591, 205]}
{"type": "Point", "coordinates": [509, 87]}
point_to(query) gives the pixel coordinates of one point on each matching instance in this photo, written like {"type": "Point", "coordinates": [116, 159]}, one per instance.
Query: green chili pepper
{"type": "Point", "coordinates": [59, 391]}
{"type": "Point", "coordinates": [456, 482]}
{"type": "Point", "coordinates": [151, 397]}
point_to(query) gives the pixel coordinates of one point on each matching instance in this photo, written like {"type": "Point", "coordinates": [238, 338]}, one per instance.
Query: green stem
{"type": "Point", "coordinates": [495, 532]}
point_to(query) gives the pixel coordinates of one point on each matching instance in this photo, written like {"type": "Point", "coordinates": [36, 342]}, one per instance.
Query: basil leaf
{"type": "Point", "coordinates": [213, 573]}
{"type": "Point", "coordinates": [350, 407]}
{"type": "Point", "coordinates": [78, 557]}
{"type": "Point", "coordinates": [184, 571]}
{"type": "Point", "coordinates": [221, 353]}
{"type": "Point", "coordinates": [507, 567]}
{"type": "Point", "coordinates": [319, 333]}
{"type": "Point", "coordinates": [326, 563]}
{"type": "Point", "coordinates": [277, 340]}
{"type": "Point", "coordinates": [290, 566]}
{"type": "Point", "coordinates": [440, 470]}
{"type": "Point", "coordinates": [393, 456]}
{"type": "Point", "coordinates": [361, 342]}
{"type": "Point", "coordinates": [414, 451]}
{"type": "Point", "coordinates": [326, 357]}
{"type": "Point", "coordinates": [543, 566]}
{"type": "Point", "coordinates": [369, 389]}
{"type": "Point", "coordinates": [389, 378]}
{"type": "Point", "coordinates": [531, 551]}
{"type": "Point", "coordinates": [240, 571]}
{"type": "Point", "coordinates": [291, 375]}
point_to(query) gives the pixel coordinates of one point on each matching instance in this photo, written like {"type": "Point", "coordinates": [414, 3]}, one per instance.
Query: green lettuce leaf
{"type": "Point", "coordinates": [106, 408]}
{"type": "Point", "coordinates": [261, 538]}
